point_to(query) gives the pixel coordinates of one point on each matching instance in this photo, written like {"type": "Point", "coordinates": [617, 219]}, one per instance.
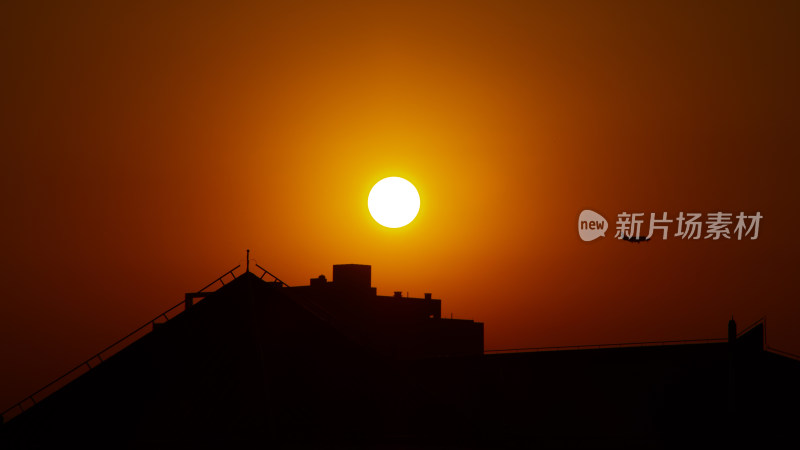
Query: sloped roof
{"type": "Point", "coordinates": [222, 363]}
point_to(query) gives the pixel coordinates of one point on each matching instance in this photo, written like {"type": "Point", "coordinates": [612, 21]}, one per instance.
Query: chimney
{"type": "Point", "coordinates": [428, 296]}
{"type": "Point", "coordinates": [319, 281]}
{"type": "Point", "coordinates": [398, 294]}
{"type": "Point", "coordinates": [731, 366]}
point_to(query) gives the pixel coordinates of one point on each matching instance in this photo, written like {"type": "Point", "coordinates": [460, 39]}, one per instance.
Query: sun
{"type": "Point", "coordinates": [393, 202]}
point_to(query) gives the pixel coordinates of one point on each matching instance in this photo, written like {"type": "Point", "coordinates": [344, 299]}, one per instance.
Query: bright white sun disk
{"type": "Point", "coordinates": [393, 202]}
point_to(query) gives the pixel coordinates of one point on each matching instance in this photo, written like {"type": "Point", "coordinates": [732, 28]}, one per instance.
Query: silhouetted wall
{"type": "Point", "coordinates": [352, 275]}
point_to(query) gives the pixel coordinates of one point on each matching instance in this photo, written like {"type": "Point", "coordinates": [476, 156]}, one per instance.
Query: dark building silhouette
{"type": "Point", "coordinates": [394, 326]}
{"type": "Point", "coordinates": [333, 365]}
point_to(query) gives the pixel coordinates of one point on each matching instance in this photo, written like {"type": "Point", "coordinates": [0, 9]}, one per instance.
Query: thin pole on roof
{"type": "Point", "coordinates": [247, 267]}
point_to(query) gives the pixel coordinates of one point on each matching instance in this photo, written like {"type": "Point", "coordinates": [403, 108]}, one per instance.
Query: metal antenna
{"type": "Point", "coordinates": [247, 267]}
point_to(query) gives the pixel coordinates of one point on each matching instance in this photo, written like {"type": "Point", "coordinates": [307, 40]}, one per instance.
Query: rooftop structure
{"type": "Point", "coordinates": [333, 364]}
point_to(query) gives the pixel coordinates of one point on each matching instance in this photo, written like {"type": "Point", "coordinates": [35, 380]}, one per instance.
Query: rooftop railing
{"type": "Point", "coordinates": [99, 357]}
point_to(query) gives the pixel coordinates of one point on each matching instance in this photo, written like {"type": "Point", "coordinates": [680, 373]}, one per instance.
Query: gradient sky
{"type": "Point", "coordinates": [146, 146]}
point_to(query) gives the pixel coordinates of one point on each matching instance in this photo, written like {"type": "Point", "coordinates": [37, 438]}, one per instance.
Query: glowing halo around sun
{"type": "Point", "coordinates": [393, 202]}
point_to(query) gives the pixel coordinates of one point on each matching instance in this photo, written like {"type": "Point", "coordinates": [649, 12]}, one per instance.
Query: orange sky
{"type": "Point", "coordinates": [145, 147]}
